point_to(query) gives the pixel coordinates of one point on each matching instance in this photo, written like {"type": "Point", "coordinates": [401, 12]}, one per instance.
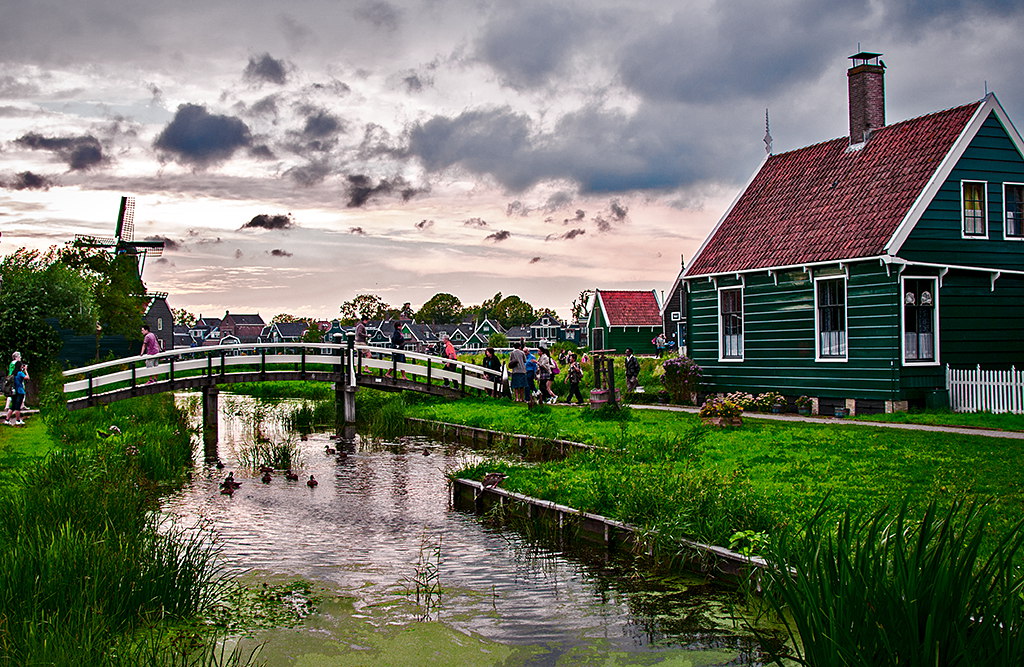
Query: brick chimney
{"type": "Point", "coordinates": [867, 95]}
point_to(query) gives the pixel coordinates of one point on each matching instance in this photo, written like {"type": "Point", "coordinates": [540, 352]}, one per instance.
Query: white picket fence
{"type": "Point", "coordinates": [977, 390]}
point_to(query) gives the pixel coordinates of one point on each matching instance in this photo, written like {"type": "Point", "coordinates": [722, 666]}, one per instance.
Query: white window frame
{"type": "Point", "coordinates": [963, 211]}
{"type": "Point", "coordinates": [846, 322]}
{"type": "Point", "coordinates": [935, 321]}
{"type": "Point", "coordinates": [743, 325]}
{"type": "Point", "coordinates": [1020, 223]}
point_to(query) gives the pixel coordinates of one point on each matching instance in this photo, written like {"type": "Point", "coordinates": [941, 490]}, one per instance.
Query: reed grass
{"type": "Point", "coordinates": [889, 588]}
{"type": "Point", "coordinates": [281, 455]}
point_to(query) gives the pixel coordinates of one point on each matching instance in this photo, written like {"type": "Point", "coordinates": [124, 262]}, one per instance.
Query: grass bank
{"type": "Point", "coordinates": [88, 574]}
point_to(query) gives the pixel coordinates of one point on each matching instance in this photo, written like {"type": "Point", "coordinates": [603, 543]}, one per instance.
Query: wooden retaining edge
{"type": "Point", "coordinates": [707, 558]}
{"type": "Point", "coordinates": [485, 436]}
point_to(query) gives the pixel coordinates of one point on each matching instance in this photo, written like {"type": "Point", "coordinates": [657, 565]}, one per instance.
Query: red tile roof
{"type": "Point", "coordinates": [630, 308]}
{"type": "Point", "coordinates": [826, 202]}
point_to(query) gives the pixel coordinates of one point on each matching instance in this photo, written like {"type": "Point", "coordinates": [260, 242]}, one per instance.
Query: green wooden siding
{"type": "Point", "coordinates": [980, 325]}
{"type": "Point", "coordinates": [937, 238]}
{"type": "Point", "coordinates": [619, 338]}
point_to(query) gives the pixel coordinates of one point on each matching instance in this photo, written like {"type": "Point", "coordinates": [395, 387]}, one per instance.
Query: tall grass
{"type": "Point", "coordinates": [889, 589]}
{"type": "Point", "coordinates": [281, 455]}
{"type": "Point", "coordinates": [83, 559]}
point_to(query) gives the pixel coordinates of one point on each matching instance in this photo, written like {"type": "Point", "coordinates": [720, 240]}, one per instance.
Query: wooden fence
{"type": "Point", "coordinates": [977, 390]}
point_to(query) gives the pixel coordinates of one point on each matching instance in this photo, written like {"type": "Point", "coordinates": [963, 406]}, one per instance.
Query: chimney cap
{"type": "Point", "coordinates": [864, 58]}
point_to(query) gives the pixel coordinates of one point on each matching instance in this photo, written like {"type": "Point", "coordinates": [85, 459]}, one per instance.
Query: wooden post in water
{"type": "Point", "coordinates": [211, 394]}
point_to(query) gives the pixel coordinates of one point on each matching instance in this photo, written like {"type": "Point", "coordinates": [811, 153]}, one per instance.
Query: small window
{"type": "Point", "coordinates": [159, 324]}
{"type": "Point", "coordinates": [830, 299]}
{"type": "Point", "coordinates": [1013, 209]}
{"type": "Point", "coordinates": [919, 324]}
{"type": "Point", "coordinates": [730, 308]}
{"type": "Point", "coordinates": [974, 208]}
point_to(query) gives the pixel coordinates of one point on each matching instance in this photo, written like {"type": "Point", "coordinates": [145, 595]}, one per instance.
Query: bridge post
{"type": "Point", "coordinates": [345, 389]}
{"type": "Point", "coordinates": [211, 395]}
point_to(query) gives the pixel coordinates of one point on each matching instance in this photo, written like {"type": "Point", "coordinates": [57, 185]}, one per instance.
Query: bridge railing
{"type": "Point", "coordinates": [270, 359]}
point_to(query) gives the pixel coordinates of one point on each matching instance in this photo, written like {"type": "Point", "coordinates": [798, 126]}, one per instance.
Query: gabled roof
{"type": "Point", "coordinates": [245, 319]}
{"type": "Point", "coordinates": [629, 308]}
{"type": "Point", "coordinates": [831, 201]}
{"type": "Point", "coordinates": [291, 329]}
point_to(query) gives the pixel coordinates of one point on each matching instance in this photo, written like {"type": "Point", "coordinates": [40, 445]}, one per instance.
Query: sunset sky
{"type": "Point", "coordinates": [296, 154]}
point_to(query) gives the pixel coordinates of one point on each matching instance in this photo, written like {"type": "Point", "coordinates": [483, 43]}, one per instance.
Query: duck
{"type": "Point", "coordinates": [311, 482]}
{"type": "Point", "coordinates": [227, 490]}
{"type": "Point", "coordinates": [230, 483]}
{"type": "Point", "coordinates": [219, 465]}
{"type": "Point", "coordinates": [291, 476]}
{"type": "Point", "coordinates": [266, 469]}
{"type": "Point", "coordinates": [303, 437]}
{"type": "Point", "coordinates": [494, 479]}
{"type": "Point", "coordinates": [328, 449]}
{"type": "Point", "coordinates": [342, 454]}
{"type": "Point", "coordinates": [266, 478]}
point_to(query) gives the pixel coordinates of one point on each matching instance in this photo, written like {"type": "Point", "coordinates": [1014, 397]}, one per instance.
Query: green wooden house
{"type": "Point", "coordinates": [481, 334]}
{"type": "Point", "coordinates": [855, 270]}
{"type": "Point", "coordinates": [624, 318]}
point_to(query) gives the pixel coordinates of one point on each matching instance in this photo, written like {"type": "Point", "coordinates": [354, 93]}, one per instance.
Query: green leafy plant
{"type": "Point", "coordinates": [803, 402]}
{"type": "Point", "coordinates": [715, 407]}
{"type": "Point", "coordinates": [764, 402]}
{"type": "Point", "coordinates": [748, 542]}
{"type": "Point", "coordinates": [742, 399]}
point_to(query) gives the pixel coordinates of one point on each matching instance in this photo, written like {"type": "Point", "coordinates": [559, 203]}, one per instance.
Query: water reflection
{"type": "Point", "coordinates": [381, 507]}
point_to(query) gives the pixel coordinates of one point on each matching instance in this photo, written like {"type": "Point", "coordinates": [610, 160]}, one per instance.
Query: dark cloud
{"type": "Point", "coordinates": [527, 44]}
{"type": "Point", "coordinates": [266, 68]}
{"type": "Point", "coordinates": [14, 88]}
{"type": "Point", "coordinates": [266, 106]}
{"type": "Point", "coordinates": [517, 208]}
{"type": "Point", "coordinates": [28, 180]}
{"type": "Point", "coordinates": [917, 15]}
{"type": "Point", "coordinates": [360, 189]}
{"type": "Point", "coordinates": [413, 83]}
{"type": "Point", "coordinates": [320, 124]}
{"type": "Point", "coordinates": [199, 138]}
{"type": "Point", "coordinates": [479, 223]}
{"type": "Point", "coordinates": [169, 243]}
{"type": "Point", "coordinates": [424, 224]}
{"type": "Point", "coordinates": [262, 152]}
{"type": "Point", "coordinates": [80, 153]}
{"type": "Point", "coordinates": [266, 221]}
{"type": "Point", "coordinates": [534, 260]}
{"type": "Point", "coordinates": [558, 200]}
{"type": "Point", "coordinates": [277, 252]}
{"type": "Point", "coordinates": [239, 254]}
{"type": "Point", "coordinates": [580, 215]}
{"type": "Point", "coordinates": [358, 231]}
{"type": "Point", "coordinates": [568, 236]}
{"type": "Point", "coordinates": [619, 212]}
{"type": "Point", "coordinates": [499, 236]}
{"type": "Point", "coordinates": [603, 224]}
{"type": "Point", "coordinates": [309, 174]}
{"type": "Point", "coordinates": [380, 14]}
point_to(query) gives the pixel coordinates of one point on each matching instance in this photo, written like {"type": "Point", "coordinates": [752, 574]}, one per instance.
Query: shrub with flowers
{"type": "Point", "coordinates": [742, 399]}
{"type": "Point", "coordinates": [765, 401]}
{"type": "Point", "coordinates": [682, 378]}
{"type": "Point", "coordinates": [803, 402]}
{"type": "Point", "coordinates": [719, 408]}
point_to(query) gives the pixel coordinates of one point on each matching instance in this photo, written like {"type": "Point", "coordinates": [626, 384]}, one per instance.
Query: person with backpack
{"type": "Point", "coordinates": [574, 375]}
{"type": "Point", "coordinates": [9, 392]}
{"type": "Point", "coordinates": [546, 370]}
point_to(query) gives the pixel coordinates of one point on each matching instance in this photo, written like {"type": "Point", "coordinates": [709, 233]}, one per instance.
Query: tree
{"type": "Point", "coordinates": [579, 305]}
{"type": "Point", "coordinates": [513, 311]}
{"type": "Point", "coordinates": [116, 285]}
{"type": "Point", "coordinates": [184, 317]}
{"type": "Point", "coordinates": [33, 288]}
{"type": "Point", "coordinates": [442, 308]}
{"type": "Point", "coordinates": [312, 334]}
{"type": "Point", "coordinates": [284, 318]}
{"type": "Point", "coordinates": [497, 339]}
{"type": "Point", "coordinates": [369, 305]}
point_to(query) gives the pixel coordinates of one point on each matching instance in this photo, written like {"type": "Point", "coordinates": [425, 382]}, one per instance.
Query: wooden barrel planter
{"type": "Point", "coordinates": [723, 421]}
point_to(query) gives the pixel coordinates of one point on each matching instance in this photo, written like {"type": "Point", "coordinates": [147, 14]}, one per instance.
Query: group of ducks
{"type": "Point", "coordinates": [229, 485]}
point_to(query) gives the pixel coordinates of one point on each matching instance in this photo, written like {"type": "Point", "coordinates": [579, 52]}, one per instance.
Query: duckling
{"type": "Point", "coordinates": [311, 482]}
{"type": "Point", "coordinates": [328, 449]}
{"type": "Point", "coordinates": [266, 478]}
{"type": "Point", "coordinates": [229, 482]}
{"type": "Point", "coordinates": [291, 476]}
{"type": "Point", "coordinates": [219, 465]}
{"type": "Point", "coordinates": [493, 479]}
{"type": "Point", "coordinates": [426, 452]}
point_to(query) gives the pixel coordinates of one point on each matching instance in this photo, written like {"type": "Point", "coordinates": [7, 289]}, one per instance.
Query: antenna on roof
{"type": "Point", "coordinates": [767, 134]}
{"type": "Point", "coordinates": [986, 87]}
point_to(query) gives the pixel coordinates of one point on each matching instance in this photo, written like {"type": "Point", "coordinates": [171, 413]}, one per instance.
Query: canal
{"type": "Point", "coordinates": [404, 579]}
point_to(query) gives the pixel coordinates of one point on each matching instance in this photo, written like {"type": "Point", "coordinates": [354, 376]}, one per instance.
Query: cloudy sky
{"type": "Point", "coordinates": [296, 154]}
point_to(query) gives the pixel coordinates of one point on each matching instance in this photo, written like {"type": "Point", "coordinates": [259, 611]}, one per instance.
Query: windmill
{"type": "Point", "coordinates": [123, 242]}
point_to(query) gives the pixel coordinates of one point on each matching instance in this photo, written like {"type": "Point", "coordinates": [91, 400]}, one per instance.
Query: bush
{"type": "Point", "coordinates": [742, 399]}
{"type": "Point", "coordinates": [682, 378]}
{"type": "Point", "coordinates": [719, 408]}
{"type": "Point", "coordinates": [766, 401]}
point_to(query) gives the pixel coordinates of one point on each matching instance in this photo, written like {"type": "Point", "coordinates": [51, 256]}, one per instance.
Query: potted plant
{"type": "Point", "coordinates": [721, 412]}
{"type": "Point", "coordinates": [770, 401]}
{"type": "Point", "coordinates": [803, 405]}
{"type": "Point", "coordinates": [682, 379]}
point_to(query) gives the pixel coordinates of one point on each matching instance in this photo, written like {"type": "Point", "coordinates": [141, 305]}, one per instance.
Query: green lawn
{"type": "Point", "coordinates": [759, 476]}
{"type": "Point", "coordinates": [22, 445]}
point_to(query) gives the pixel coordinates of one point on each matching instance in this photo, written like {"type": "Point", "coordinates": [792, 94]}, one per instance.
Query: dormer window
{"type": "Point", "coordinates": [974, 207]}
{"type": "Point", "coordinates": [1013, 210]}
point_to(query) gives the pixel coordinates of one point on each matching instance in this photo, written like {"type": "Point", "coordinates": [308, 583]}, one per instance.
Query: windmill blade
{"type": "Point", "coordinates": [125, 230]}
{"type": "Point", "coordinates": [87, 241]}
{"type": "Point", "coordinates": [147, 244]}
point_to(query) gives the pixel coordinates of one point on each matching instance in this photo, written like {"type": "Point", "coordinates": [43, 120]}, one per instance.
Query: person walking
{"type": "Point", "coordinates": [14, 413]}
{"type": "Point", "coordinates": [492, 363]}
{"type": "Point", "coordinates": [632, 371]}
{"type": "Point", "coordinates": [517, 372]}
{"type": "Point", "coordinates": [361, 334]}
{"type": "Point", "coordinates": [150, 347]}
{"type": "Point", "coordinates": [449, 353]}
{"type": "Point", "coordinates": [398, 343]}
{"type": "Point", "coordinates": [574, 375]}
{"type": "Point", "coordinates": [545, 375]}
{"type": "Point", "coordinates": [531, 372]}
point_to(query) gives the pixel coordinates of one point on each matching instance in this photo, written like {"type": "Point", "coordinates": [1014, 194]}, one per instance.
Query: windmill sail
{"type": "Point", "coordinates": [123, 242]}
